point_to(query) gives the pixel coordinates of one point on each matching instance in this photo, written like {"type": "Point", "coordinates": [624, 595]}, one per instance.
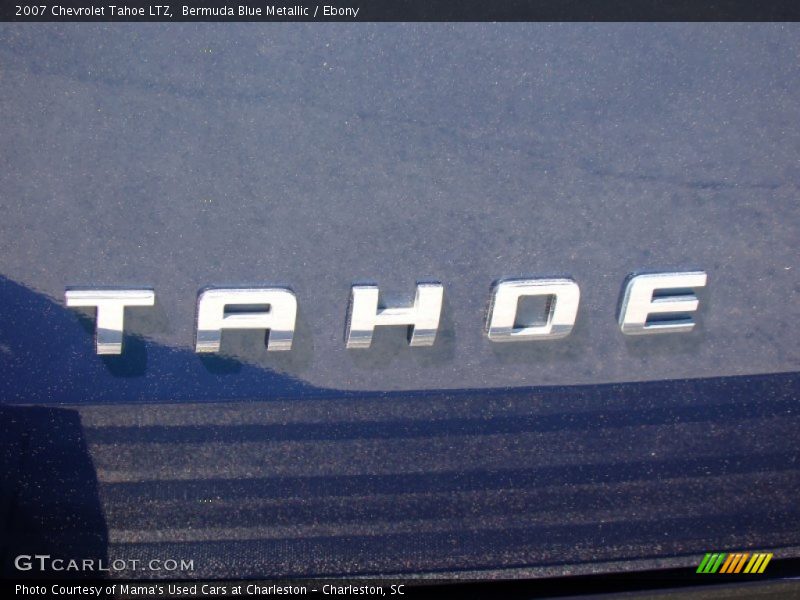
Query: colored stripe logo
{"type": "Point", "coordinates": [735, 562]}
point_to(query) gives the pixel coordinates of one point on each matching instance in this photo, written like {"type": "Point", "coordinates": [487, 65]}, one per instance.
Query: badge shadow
{"type": "Point", "coordinates": [49, 499]}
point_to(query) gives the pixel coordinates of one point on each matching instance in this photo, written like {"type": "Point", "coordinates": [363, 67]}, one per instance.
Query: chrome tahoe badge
{"type": "Point", "coordinates": [651, 303]}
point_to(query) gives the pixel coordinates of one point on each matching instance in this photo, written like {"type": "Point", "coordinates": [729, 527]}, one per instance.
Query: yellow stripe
{"type": "Point", "coordinates": [761, 557]}
{"type": "Point", "coordinates": [727, 562]}
{"type": "Point", "coordinates": [764, 564]}
{"type": "Point", "coordinates": [741, 562]}
{"type": "Point", "coordinates": [751, 563]}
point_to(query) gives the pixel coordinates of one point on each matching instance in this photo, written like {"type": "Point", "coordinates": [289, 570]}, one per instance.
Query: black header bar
{"type": "Point", "coordinates": [399, 10]}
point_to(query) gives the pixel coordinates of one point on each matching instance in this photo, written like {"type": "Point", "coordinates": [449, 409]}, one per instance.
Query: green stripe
{"type": "Point", "coordinates": [718, 564]}
{"type": "Point", "coordinates": [703, 563]}
{"type": "Point", "coordinates": [711, 562]}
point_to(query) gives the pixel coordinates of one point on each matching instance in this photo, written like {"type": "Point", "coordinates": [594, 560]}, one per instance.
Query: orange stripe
{"type": "Point", "coordinates": [741, 562]}
{"type": "Point", "coordinates": [736, 558]}
{"type": "Point", "coordinates": [727, 562]}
